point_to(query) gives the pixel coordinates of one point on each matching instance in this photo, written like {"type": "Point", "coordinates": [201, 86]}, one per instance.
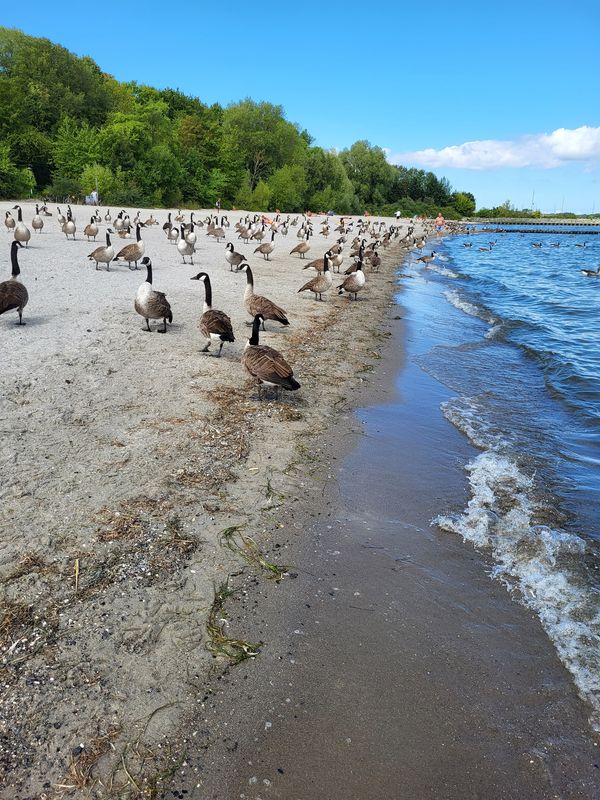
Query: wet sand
{"type": "Point", "coordinates": [393, 665]}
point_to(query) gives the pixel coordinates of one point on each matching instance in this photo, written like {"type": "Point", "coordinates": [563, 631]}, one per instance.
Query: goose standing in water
{"type": "Point", "coordinates": [151, 304]}
{"type": "Point", "coordinates": [103, 255]}
{"type": "Point", "coordinates": [214, 325]}
{"type": "Point", "coordinates": [133, 252]}
{"type": "Point", "coordinates": [22, 233]}
{"type": "Point", "coordinates": [322, 283]}
{"type": "Point", "coordinates": [266, 365]}
{"type": "Point", "coordinates": [13, 295]}
{"type": "Point", "coordinates": [256, 304]}
{"type": "Point", "coordinates": [37, 223]}
{"type": "Point", "coordinates": [353, 283]}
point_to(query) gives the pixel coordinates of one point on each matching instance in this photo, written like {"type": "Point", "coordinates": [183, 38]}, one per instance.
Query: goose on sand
{"type": "Point", "coordinates": [103, 255]}
{"type": "Point", "coordinates": [13, 295]}
{"type": "Point", "coordinates": [266, 365]}
{"type": "Point", "coordinates": [256, 304]}
{"type": "Point", "coordinates": [151, 304]}
{"type": "Point", "coordinates": [214, 325]}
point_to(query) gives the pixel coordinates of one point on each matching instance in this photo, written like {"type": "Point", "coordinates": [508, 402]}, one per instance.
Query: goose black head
{"type": "Point", "coordinates": [200, 276]}
{"type": "Point", "coordinates": [146, 261]}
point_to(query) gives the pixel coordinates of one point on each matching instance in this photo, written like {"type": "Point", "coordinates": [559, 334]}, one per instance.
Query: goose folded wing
{"type": "Point", "coordinates": [268, 364]}
{"type": "Point", "coordinates": [217, 322]}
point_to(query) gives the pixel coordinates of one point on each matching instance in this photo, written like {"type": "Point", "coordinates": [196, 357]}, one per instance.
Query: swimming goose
{"type": "Point", "coordinates": [133, 252]}
{"type": "Point", "coordinates": [185, 248]}
{"type": "Point", "coordinates": [468, 244]}
{"type": "Point", "coordinates": [91, 230]}
{"type": "Point", "coordinates": [302, 248]}
{"type": "Point", "coordinates": [320, 284]}
{"type": "Point", "coordinates": [266, 248]}
{"type": "Point", "coordinates": [214, 325]}
{"type": "Point", "coordinates": [256, 304]}
{"type": "Point", "coordinates": [103, 255]}
{"type": "Point", "coordinates": [353, 283]}
{"type": "Point", "coordinates": [151, 304]}
{"type": "Point", "coordinates": [68, 227]}
{"type": "Point", "coordinates": [234, 259]}
{"type": "Point", "coordinates": [590, 273]}
{"type": "Point", "coordinates": [37, 223]}
{"type": "Point", "coordinates": [22, 233]}
{"type": "Point", "coordinates": [580, 245]}
{"type": "Point", "coordinates": [266, 365]}
{"type": "Point", "coordinates": [13, 295]}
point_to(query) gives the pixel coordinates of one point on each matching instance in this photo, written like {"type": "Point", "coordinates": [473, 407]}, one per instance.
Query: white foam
{"type": "Point", "coordinates": [541, 562]}
{"type": "Point", "coordinates": [447, 273]}
{"type": "Point", "coordinates": [459, 302]}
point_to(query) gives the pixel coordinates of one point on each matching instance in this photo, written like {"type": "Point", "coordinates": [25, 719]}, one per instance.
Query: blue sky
{"type": "Point", "coordinates": [518, 81]}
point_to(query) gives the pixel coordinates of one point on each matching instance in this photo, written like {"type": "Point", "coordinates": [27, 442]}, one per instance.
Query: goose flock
{"type": "Point", "coordinates": [357, 245]}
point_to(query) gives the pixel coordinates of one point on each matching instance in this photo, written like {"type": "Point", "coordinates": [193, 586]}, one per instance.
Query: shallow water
{"type": "Point", "coordinates": [512, 333]}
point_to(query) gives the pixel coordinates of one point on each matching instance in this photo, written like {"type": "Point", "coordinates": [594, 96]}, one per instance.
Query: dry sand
{"type": "Point", "coordinates": [122, 453]}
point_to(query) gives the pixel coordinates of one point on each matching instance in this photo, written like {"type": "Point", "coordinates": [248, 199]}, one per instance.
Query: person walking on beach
{"type": "Point", "coordinates": [439, 222]}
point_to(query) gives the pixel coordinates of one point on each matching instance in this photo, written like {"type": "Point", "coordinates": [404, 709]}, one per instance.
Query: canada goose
{"type": "Point", "coordinates": [214, 325]}
{"type": "Point", "coordinates": [61, 219]}
{"type": "Point", "coordinates": [266, 364]}
{"type": "Point", "coordinates": [580, 245]}
{"type": "Point", "coordinates": [119, 222]}
{"type": "Point", "coordinates": [302, 248]}
{"type": "Point", "coordinates": [218, 233]}
{"type": "Point", "coordinates": [91, 230]}
{"type": "Point", "coordinates": [320, 284]}
{"type": "Point", "coordinates": [9, 221]}
{"type": "Point", "coordinates": [125, 233]}
{"type": "Point", "coordinates": [266, 247]}
{"type": "Point", "coordinates": [134, 251]}
{"type": "Point", "coordinates": [358, 247]}
{"type": "Point", "coordinates": [150, 221]}
{"type": "Point", "coordinates": [103, 255]}
{"type": "Point", "coordinates": [256, 304]}
{"type": "Point", "coordinates": [533, 244]}
{"type": "Point", "coordinates": [37, 223]}
{"type": "Point", "coordinates": [427, 259]}
{"type": "Point", "coordinates": [107, 216]}
{"type": "Point", "coordinates": [13, 295]}
{"type": "Point", "coordinates": [259, 234]}
{"type": "Point", "coordinates": [589, 273]}
{"type": "Point", "coordinates": [337, 259]}
{"type": "Point", "coordinates": [375, 262]}
{"type": "Point", "coordinates": [234, 259]}
{"type": "Point", "coordinates": [168, 225]}
{"type": "Point", "coordinates": [353, 283]}
{"type": "Point", "coordinates": [190, 233]}
{"type": "Point", "coordinates": [68, 227]}
{"type": "Point", "coordinates": [22, 233]}
{"type": "Point", "coordinates": [97, 218]}
{"type": "Point", "coordinates": [317, 264]}
{"type": "Point", "coordinates": [173, 234]}
{"type": "Point", "coordinates": [179, 217]}
{"type": "Point", "coordinates": [151, 304]}
{"type": "Point", "coordinates": [468, 244]}
{"type": "Point", "coordinates": [185, 248]}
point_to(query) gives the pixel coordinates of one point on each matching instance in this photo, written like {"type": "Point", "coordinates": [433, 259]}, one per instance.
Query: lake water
{"type": "Point", "coordinates": [513, 333]}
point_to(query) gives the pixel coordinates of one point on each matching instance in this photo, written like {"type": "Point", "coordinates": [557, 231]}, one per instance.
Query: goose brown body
{"type": "Point", "coordinates": [132, 253]}
{"type": "Point", "coordinates": [13, 295]}
{"type": "Point", "coordinates": [265, 364]}
{"type": "Point", "coordinates": [320, 284]}
{"type": "Point", "coordinates": [257, 304]}
{"type": "Point", "coordinates": [214, 325]}
{"type": "Point", "coordinates": [151, 304]}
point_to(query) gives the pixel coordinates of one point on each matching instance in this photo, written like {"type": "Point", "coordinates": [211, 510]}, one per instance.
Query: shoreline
{"type": "Point", "coordinates": [439, 635]}
{"type": "Point", "coordinates": [119, 560]}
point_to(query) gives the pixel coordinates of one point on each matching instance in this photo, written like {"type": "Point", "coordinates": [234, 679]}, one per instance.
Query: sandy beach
{"type": "Point", "coordinates": [125, 456]}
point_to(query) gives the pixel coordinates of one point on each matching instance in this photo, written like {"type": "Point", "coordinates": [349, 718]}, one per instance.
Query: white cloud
{"type": "Point", "coordinates": [546, 150]}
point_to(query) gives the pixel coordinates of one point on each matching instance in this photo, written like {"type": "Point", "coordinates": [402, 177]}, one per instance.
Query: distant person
{"type": "Point", "coordinates": [218, 204]}
{"type": "Point", "coordinates": [397, 215]}
{"type": "Point", "coordinates": [439, 222]}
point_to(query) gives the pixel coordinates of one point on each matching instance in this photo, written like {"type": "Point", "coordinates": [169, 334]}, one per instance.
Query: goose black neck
{"type": "Point", "coordinates": [207, 292]}
{"type": "Point", "coordinates": [19, 214]}
{"type": "Point", "coordinates": [138, 234]}
{"type": "Point", "coordinates": [325, 263]}
{"type": "Point", "coordinates": [255, 327]}
{"type": "Point", "coordinates": [107, 239]}
{"type": "Point", "coordinates": [149, 273]}
{"type": "Point", "coordinates": [13, 259]}
{"type": "Point", "coordinates": [249, 277]}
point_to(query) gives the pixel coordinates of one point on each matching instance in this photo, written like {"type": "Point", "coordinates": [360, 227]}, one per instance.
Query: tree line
{"type": "Point", "coordinates": [67, 129]}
